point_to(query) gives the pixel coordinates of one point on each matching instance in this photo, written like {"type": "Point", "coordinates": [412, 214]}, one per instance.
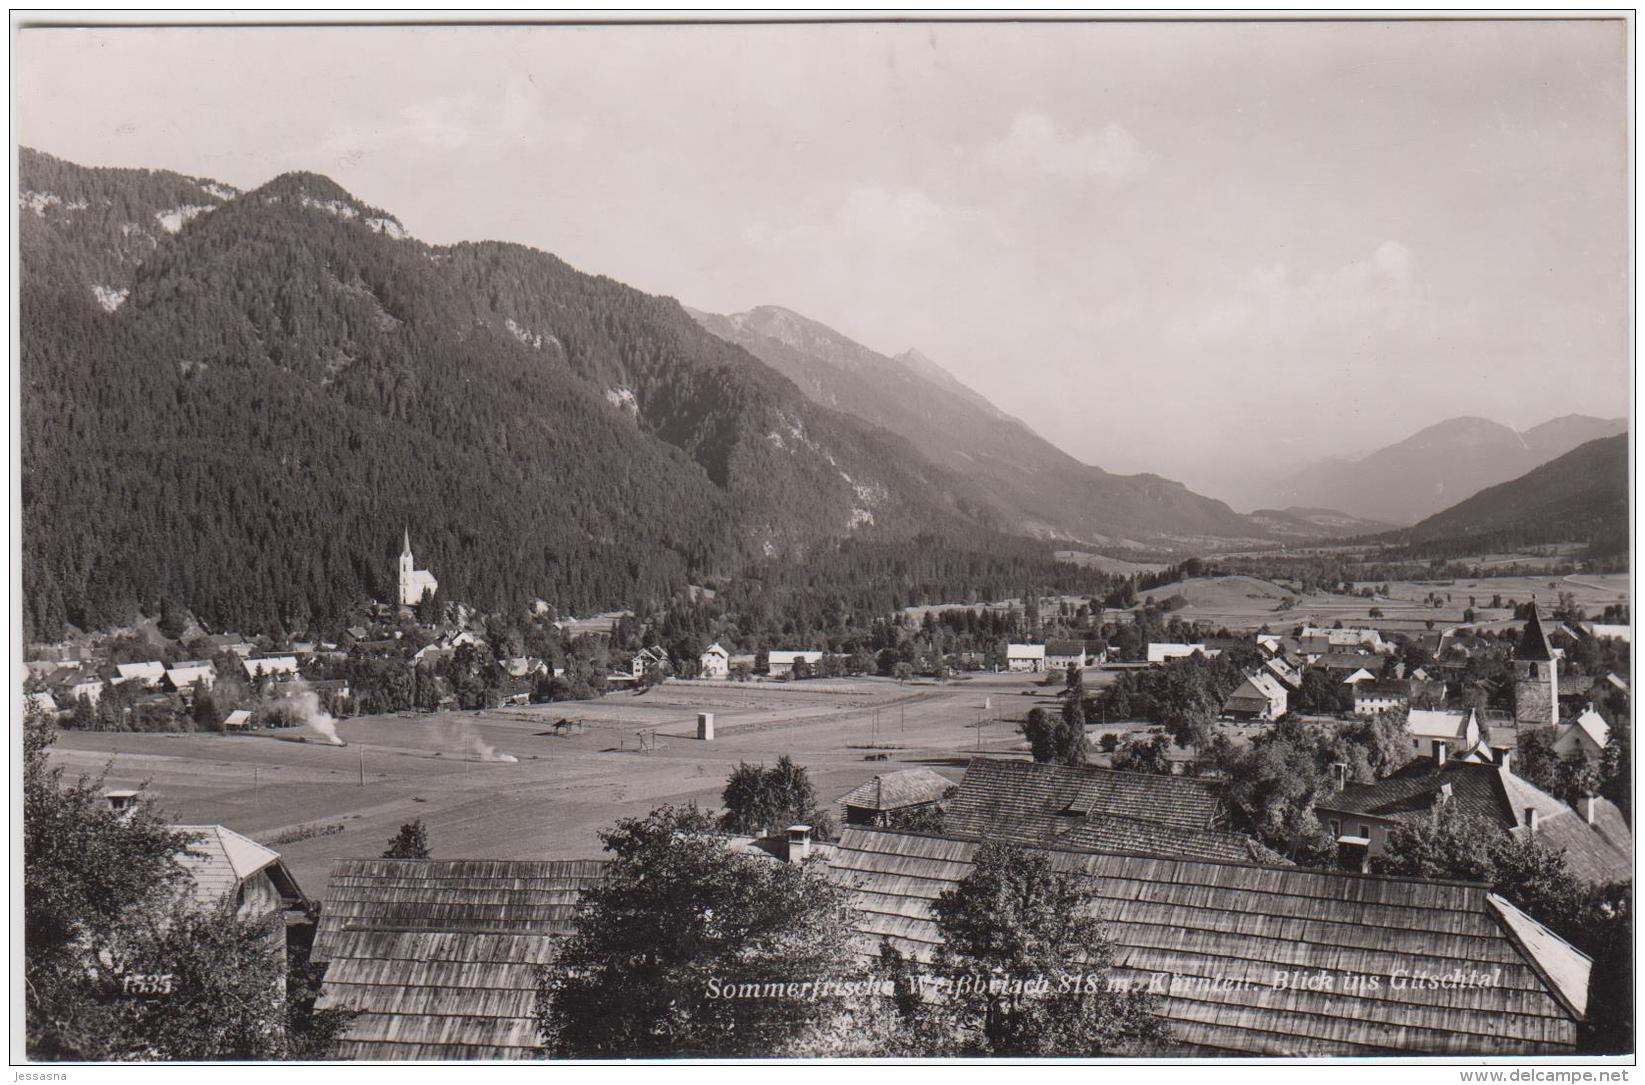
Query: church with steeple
{"type": "Point", "coordinates": [415, 584]}
{"type": "Point", "coordinates": [1536, 677]}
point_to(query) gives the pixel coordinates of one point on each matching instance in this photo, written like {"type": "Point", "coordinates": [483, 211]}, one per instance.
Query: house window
{"type": "Point", "coordinates": [1365, 831]}
{"type": "Point", "coordinates": [1336, 828]}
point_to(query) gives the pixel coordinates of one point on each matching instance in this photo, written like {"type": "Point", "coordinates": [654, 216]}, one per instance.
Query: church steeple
{"type": "Point", "coordinates": [405, 551]}
{"type": "Point", "coordinates": [1533, 642]}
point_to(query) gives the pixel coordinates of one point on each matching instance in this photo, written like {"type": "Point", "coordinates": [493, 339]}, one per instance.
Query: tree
{"type": "Point", "coordinates": [1138, 754]}
{"type": "Point", "coordinates": [1616, 765]}
{"type": "Point", "coordinates": [1028, 936]}
{"type": "Point", "coordinates": [758, 798]}
{"type": "Point", "coordinates": [120, 961]}
{"type": "Point", "coordinates": [674, 933]}
{"type": "Point", "coordinates": [1060, 740]}
{"type": "Point", "coordinates": [411, 842]}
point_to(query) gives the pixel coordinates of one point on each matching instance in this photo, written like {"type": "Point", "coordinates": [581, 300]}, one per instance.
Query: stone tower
{"type": "Point", "coordinates": [1536, 677]}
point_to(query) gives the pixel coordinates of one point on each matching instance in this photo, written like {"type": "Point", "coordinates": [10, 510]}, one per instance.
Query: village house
{"type": "Point", "coordinates": [275, 667]}
{"type": "Point", "coordinates": [1286, 671]}
{"type": "Point", "coordinates": [649, 659]}
{"type": "Point", "coordinates": [780, 664]}
{"type": "Point", "coordinates": [1601, 631]}
{"type": "Point", "coordinates": [1025, 658]}
{"type": "Point", "coordinates": [1458, 730]}
{"type": "Point", "coordinates": [42, 702]}
{"type": "Point", "coordinates": [224, 866]}
{"type": "Point", "coordinates": [182, 677]}
{"type": "Point", "coordinates": [230, 642]}
{"type": "Point", "coordinates": [238, 720]}
{"type": "Point", "coordinates": [1373, 697]}
{"type": "Point", "coordinates": [1343, 664]}
{"type": "Point", "coordinates": [524, 667]}
{"type": "Point", "coordinates": [1260, 697]}
{"type": "Point", "coordinates": [1595, 837]}
{"type": "Point", "coordinates": [1584, 737]}
{"type": "Point", "coordinates": [77, 685]}
{"type": "Point", "coordinates": [1335, 640]}
{"type": "Point", "coordinates": [1358, 676]}
{"type": "Point", "coordinates": [1062, 654]}
{"type": "Point", "coordinates": [888, 799]}
{"type": "Point", "coordinates": [715, 662]}
{"type": "Point", "coordinates": [1164, 652]}
{"type": "Point", "coordinates": [147, 675]}
{"type": "Point", "coordinates": [1220, 930]}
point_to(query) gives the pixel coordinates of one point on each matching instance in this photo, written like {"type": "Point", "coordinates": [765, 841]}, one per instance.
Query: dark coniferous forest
{"type": "Point", "coordinates": [234, 402]}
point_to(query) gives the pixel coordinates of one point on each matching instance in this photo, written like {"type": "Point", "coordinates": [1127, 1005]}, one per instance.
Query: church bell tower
{"type": "Point", "coordinates": [1536, 677]}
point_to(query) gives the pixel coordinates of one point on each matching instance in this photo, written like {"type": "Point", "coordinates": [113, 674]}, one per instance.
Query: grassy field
{"type": "Point", "coordinates": [309, 801]}
{"type": "Point", "coordinates": [1247, 603]}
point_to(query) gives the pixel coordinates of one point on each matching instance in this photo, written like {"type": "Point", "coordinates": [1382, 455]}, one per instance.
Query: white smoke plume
{"type": "Point", "coordinates": [305, 703]}
{"type": "Point", "coordinates": [484, 752]}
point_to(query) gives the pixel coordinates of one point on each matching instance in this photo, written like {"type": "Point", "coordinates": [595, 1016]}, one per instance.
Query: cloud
{"type": "Point", "coordinates": [1272, 306]}
{"type": "Point", "coordinates": [873, 219]}
{"type": "Point", "coordinates": [466, 121]}
{"type": "Point", "coordinates": [1035, 146]}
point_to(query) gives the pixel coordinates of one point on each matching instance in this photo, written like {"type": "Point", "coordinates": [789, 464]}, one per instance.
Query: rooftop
{"type": "Point", "coordinates": [1222, 932]}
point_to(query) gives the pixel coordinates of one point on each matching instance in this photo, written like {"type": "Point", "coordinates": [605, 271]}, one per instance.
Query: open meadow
{"type": "Point", "coordinates": [625, 754]}
{"type": "Point", "coordinates": [1247, 603]}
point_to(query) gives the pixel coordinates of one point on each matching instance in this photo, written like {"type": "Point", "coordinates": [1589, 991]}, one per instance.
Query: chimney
{"type": "Point", "coordinates": [705, 726]}
{"type": "Point", "coordinates": [1339, 775]}
{"type": "Point", "coordinates": [799, 843]}
{"type": "Point", "coordinates": [1505, 758]}
{"type": "Point", "coordinates": [1444, 793]}
{"type": "Point", "coordinates": [1441, 749]}
{"type": "Point", "coordinates": [1530, 819]}
{"type": "Point", "coordinates": [1585, 807]}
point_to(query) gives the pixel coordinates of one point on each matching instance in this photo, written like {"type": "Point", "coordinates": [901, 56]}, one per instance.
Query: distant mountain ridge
{"type": "Point", "coordinates": [1437, 466]}
{"type": "Point", "coordinates": [1042, 490]}
{"type": "Point", "coordinates": [1581, 496]}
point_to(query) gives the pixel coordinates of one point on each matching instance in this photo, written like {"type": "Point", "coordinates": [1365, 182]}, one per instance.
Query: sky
{"type": "Point", "coordinates": [1211, 251]}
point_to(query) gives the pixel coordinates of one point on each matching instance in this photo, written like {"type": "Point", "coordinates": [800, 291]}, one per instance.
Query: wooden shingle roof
{"type": "Point", "coordinates": [218, 860]}
{"type": "Point", "coordinates": [439, 957]}
{"type": "Point", "coordinates": [897, 790]}
{"type": "Point", "coordinates": [1027, 801]}
{"type": "Point", "coordinates": [1219, 933]}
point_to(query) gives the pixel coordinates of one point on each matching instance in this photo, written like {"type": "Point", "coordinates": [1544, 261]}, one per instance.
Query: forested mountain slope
{"type": "Point", "coordinates": [1580, 497]}
{"type": "Point", "coordinates": [290, 381]}
{"type": "Point", "coordinates": [1043, 491]}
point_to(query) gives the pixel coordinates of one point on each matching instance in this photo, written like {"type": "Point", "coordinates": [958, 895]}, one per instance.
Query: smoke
{"type": "Point", "coordinates": [483, 751]}
{"type": "Point", "coordinates": [305, 704]}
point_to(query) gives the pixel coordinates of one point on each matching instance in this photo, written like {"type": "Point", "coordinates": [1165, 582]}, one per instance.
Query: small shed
{"type": "Point", "coordinates": [894, 795]}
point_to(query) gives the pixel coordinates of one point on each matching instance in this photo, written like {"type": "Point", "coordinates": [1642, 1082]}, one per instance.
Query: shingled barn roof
{"type": "Point", "coordinates": [440, 958]}
{"type": "Point", "coordinates": [1025, 800]}
{"type": "Point", "coordinates": [1223, 930]}
{"type": "Point", "coordinates": [898, 790]}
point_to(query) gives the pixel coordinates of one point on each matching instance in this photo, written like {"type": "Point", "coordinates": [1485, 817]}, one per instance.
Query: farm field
{"type": "Point", "coordinates": [308, 801]}
{"type": "Point", "coordinates": [1247, 603]}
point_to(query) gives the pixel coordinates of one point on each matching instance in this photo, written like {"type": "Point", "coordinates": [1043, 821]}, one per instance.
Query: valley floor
{"type": "Point", "coordinates": [552, 802]}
